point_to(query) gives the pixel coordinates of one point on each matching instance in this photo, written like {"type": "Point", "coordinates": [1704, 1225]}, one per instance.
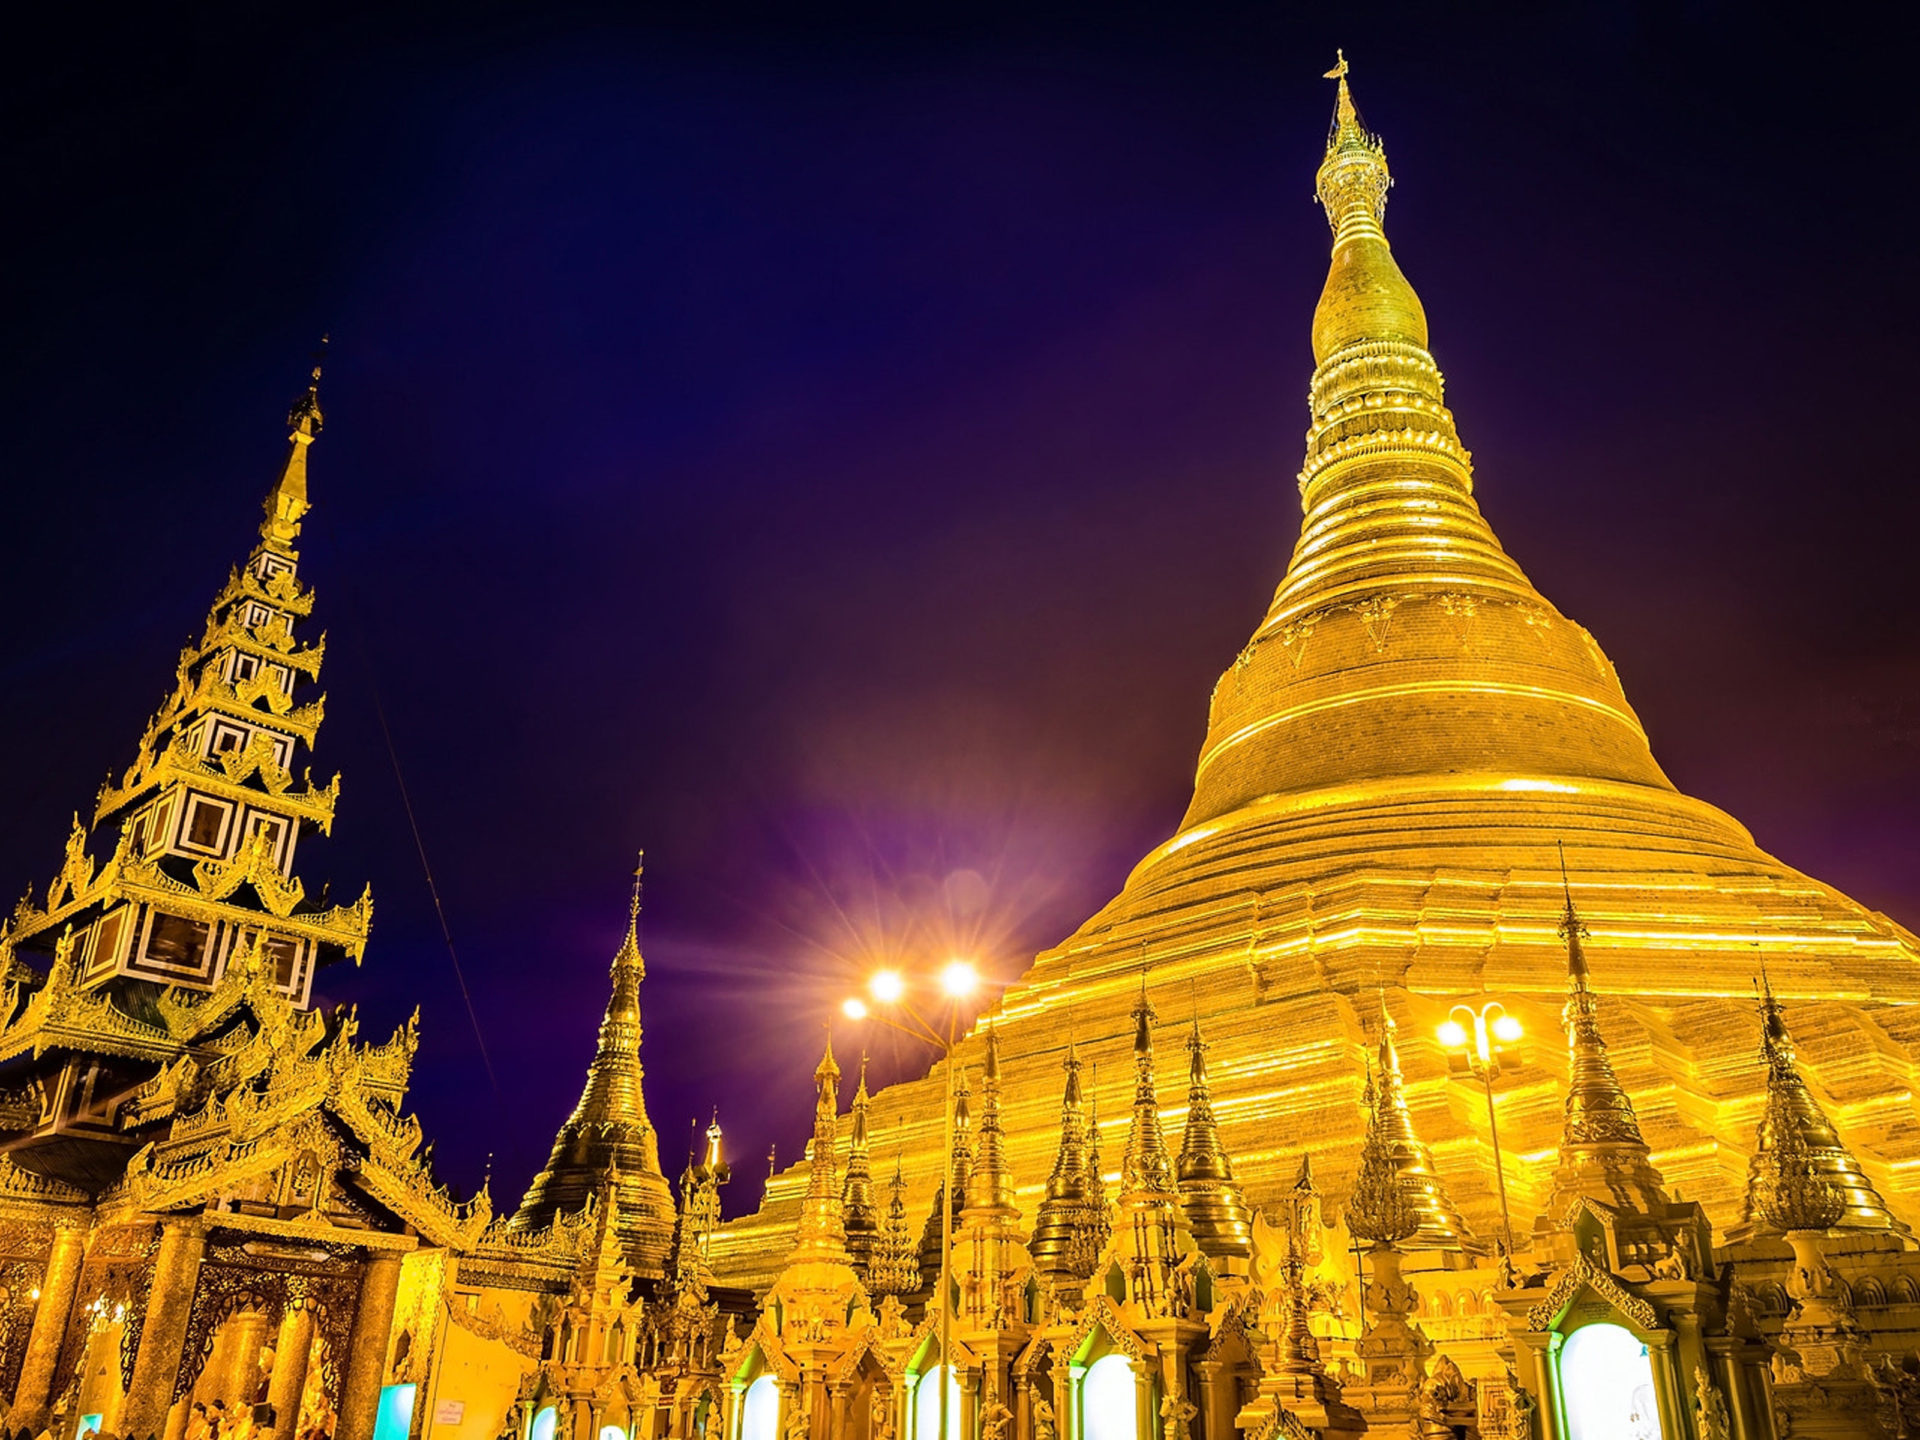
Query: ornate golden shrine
{"type": "Point", "coordinates": [212, 1204]}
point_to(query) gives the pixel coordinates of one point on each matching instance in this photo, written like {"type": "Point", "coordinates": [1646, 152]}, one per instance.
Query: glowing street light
{"type": "Point", "coordinates": [1476, 1036]}
{"type": "Point", "coordinates": [958, 980]}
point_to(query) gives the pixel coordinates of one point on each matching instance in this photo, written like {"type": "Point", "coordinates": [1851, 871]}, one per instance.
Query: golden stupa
{"type": "Point", "coordinates": [1389, 765]}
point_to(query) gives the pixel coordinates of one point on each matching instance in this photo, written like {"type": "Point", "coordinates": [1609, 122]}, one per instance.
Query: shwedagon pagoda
{"type": "Point", "coordinates": [1238, 1158]}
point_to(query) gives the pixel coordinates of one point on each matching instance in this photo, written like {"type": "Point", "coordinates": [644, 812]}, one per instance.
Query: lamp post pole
{"type": "Point", "coordinates": [944, 1373]}
{"type": "Point", "coordinates": [1499, 1165]}
{"type": "Point", "coordinates": [957, 981]}
{"type": "Point", "coordinates": [1479, 1034]}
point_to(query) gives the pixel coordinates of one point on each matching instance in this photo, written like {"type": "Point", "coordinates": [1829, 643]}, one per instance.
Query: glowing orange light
{"type": "Point", "coordinates": [959, 979]}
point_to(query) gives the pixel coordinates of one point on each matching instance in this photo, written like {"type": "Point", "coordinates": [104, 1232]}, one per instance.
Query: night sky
{"type": "Point", "coordinates": [841, 456]}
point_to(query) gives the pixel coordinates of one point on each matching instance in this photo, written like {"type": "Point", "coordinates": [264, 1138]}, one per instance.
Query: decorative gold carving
{"type": "Point", "coordinates": [1581, 1273]}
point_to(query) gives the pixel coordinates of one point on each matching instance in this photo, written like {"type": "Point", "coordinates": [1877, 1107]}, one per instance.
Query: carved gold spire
{"type": "Point", "coordinates": [1791, 1188]}
{"type": "Point", "coordinates": [1097, 1177]}
{"type": "Point", "coordinates": [856, 1194]}
{"type": "Point", "coordinates": [1441, 1227]}
{"type": "Point", "coordinates": [1366, 299]}
{"type": "Point", "coordinates": [608, 1143]}
{"type": "Point", "coordinates": [699, 1214]}
{"type": "Point", "coordinates": [896, 1268]}
{"type": "Point", "coordinates": [1222, 1224]}
{"type": "Point", "coordinates": [1145, 1170]}
{"type": "Point", "coordinates": [1151, 1236]}
{"type": "Point", "coordinates": [989, 1187]}
{"type": "Point", "coordinates": [1064, 1241]}
{"type": "Point", "coordinates": [990, 1258]}
{"type": "Point", "coordinates": [822, 1234]}
{"type": "Point", "coordinates": [818, 1294]}
{"type": "Point", "coordinates": [1602, 1154]}
{"type": "Point", "coordinates": [287, 501]}
{"type": "Point", "coordinates": [1380, 1211]}
{"type": "Point", "coordinates": [1777, 1182]}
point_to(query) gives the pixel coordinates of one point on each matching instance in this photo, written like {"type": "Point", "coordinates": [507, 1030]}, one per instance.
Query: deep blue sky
{"type": "Point", "coordinates": [840, 456]}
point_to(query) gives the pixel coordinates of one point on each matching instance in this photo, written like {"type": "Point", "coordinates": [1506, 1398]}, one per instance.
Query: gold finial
{"type": "Point", "coordinates": [1571, 930]}
{"type": "Point", "coordinates": [639, 882]}
{"type": "Point", "coordinates": [1339, 70]}
{"type": "Point", "coordinates": [287, 501]}
{"type": "Point", "coordinates": [305, 417]}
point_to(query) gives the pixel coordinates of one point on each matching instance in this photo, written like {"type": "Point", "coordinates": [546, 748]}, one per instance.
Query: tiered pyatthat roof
{"type": "Point", "coordinates": [263, 1087]}
{"type": "Point", "coordinates": [608, 1144]}
{"type": "Point", "coordinates": [1602, 1155]}
{"type": "Point", "coordinates": [1066, 1232]}
{"type": "Point", "coordinates": [199, 833]}
{"type": "Point", "coordinates": [1794, 1117]}
{"type": "Point", "coordinates": [1222, 1223]}
{"type": "Point", "coordinates": [822, 1235]}
{"type": "Point", "coordinates": [1440, 1225]}
{"type": "Point", "coordinates": [862, 1216]}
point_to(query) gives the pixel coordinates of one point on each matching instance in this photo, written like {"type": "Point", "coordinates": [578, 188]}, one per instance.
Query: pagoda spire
{"type": "Point", "coordinates": [1097, 1176]}
{"type": "Point", "coordinates": [1441, 1226]}
{"type": "Point", "coordinates": [1795, 1122]}
{"type": "Point", "coordinates": [195, 865]}
{"type": "Point", "coordinates": [609, 1142]}
{"type": "Point", "coordinates": [1146, 1168]}
{"type": "Point", "coordinates": [1393, 566]}
{"type": "Point", "coordinates": [1602, 1154]}
{"type": "Point", "coordinates": [989, 1187]}
{"type": "Point", "coordinates": [818, 1293]}
{"type": "Point", "coordinates": [1217, 1211]}
{"type": "Point", "coordinates": [287, 502]}
{"type": "Point", "coordinates": [962, 1169]}
{"type": "Point", "coordinates": [856, 1193]}
{"type": "Point", "coordinates": [1064, 1241]}
{"type": "Point", "coordinates": [1153, 1235]}
{"type": "Point", "coordinates": [699, 1216]}
{"type": "Point", "coordinates": [1380, 1210]}
{"type": "Point", "coordinates": [822, 1234]}
{"type": "Point", "coordinates": [990, 1258]}
{"type": "Point", "coordinates": [895, 1269]}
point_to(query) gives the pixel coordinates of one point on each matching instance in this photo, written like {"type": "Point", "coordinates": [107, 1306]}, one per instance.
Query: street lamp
{"type": "Point", "coordinates": [956, 982]}
{"type": "Point", "coordinates": [1477, 1036]}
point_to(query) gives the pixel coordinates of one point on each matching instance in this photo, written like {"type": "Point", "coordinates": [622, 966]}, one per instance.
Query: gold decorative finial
{"type": "Point", "coordinates": [287, 501]}
{"type": "Point", "coordinates": [305, 413]}
{"type": "Point", "coordinates": [1339, 70]}
{"type": "Point", "coordinates": [639, 881]}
